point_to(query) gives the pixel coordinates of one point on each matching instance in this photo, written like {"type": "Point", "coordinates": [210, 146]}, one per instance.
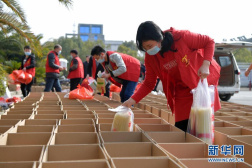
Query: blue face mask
{"type": "Point", "coordinates": [153, 51]}
{"type": "Point", "coordinates": [101, 60]}
{"type": "Point", "coordinates": [27, 53]}
{"type": "Point", "coordinates": [59, 52]}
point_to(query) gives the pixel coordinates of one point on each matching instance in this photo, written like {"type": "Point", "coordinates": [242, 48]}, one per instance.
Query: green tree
{"type": "Point", "coordinates": [243, 55]}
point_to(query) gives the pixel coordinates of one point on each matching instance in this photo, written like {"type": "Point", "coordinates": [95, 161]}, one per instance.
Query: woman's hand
{"type": "Point", "coordinates": [203, 71]}
{"type": "Point", "coordinates": [129, 103]}
{"type": "Point", "coordinates": [106, 75]}
{"type": "Point", "coordinates": [247, 72]}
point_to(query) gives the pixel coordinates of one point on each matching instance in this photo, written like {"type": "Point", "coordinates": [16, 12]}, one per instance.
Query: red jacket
{"type": "Point", "coordinates": [188, 58]}
{"type": "Point", "coordinates": [132, 66]}
{"type": "Point", "coordinates": [30, 70]}
{"type": "Point", "coordinates": [77, 73]}
{"type": "Point", "coordinates": [50, 69]}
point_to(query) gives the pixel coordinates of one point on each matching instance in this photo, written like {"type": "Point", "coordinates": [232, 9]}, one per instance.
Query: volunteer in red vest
{"type": "Point", "coordinates": [28, 65]}
{"type": "Point", "coordinates": [76, 70]}
{"type": "Point", "coordinates": [180, 59]}
{"type": "Point", "coordinates": [121, 69]}
{"type": "Point", "coordinates": [53, 69]}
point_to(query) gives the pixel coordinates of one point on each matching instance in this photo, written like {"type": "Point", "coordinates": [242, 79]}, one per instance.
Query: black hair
{"type": "Point", "coordinates": [27, 47]}
{"type": "Point", "coordinates": [57, 46]}
{"type": "Point", "coordinates": [150, 31]}
{"type": "Point", "coordinates": [97, 50]}
{"type": "Point", "coordinates": [74, 52]}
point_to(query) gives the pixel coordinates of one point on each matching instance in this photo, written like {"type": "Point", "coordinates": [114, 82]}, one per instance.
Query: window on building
{"type": "Point", "coordinates": [84, 29]}
{"type": "Point", "coordinates": [95, 37]}
{"type": "Point", "coordinates": [96, 30]}
{"type": "Point", "coordinates": [84, 37]}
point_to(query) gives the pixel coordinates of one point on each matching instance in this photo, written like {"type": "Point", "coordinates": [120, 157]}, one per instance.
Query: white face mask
{"type": "Point", "coordinates": [59, 52]}
{"type": "Point", "coordinates": [153, 51]}
{"type": "Point", "coordinates": [101, 60]}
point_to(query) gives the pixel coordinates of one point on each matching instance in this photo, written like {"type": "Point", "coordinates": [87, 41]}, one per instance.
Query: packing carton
{"type": "Point", "coordinates": [18, 164]}
{"type": "Point", "coordinates": [98, 108]}
{"type": "Point", "coordinates": [136, 115]}
{"type": "Point", "coordinates": [17, 116]}
{"type": "Point", "coordinates": [5, 129]}
{"type": "Point", "coordinates": [199, 163]}
{"type": "Point", "coordinates": [75, 128]}
{"type": "Point", "coordinates": [157, 128]}
{"type": "Point", "coordinates": [73, 153]}
{"type": "Point", "coordinates": [41, 122]}
{"type": "Point", "coordinates": [21, 153]}
{"type": "Point", "coordinates": [136, 149]}
{"type": "Point", "coordinates": [173, 137]}
{"type": "Point", "coordinates": [242, 123]}
{"type": "Point", "coordinates": [75, 138]}
{"type": "Point", "coordinates": [75, 116]}
{"type": "Point", "coordinates": [49, 116]}
{"type": "Point", "coordinates": [231, 118]}
{"type": "Point", "coordinates": [50, 112]}
{"type": "Point", "coordinates": [21, 112]}
{"type": "Point", "coordinates": [34, 129]}
{"type": "Point", "coordinates": [104, 127]}
{"type": "Point", "coordinates": [224, 114]}
{"type": "Point", "coordinates": [9, 122]}
{"type": "Point", "coordinates": [146, 162]}
{"type": "Point", "coordinates": [76, 121]}
{"type": "Point", "coordinates": [112, 137]}
{"type": "Point", "coordinates": [76, 164]}
{"type": "Point", "coordinates": [149, 121]}
{"type": "Point", "coordinates": [224, 124]}
{"type": "Point", "coordinates": [25, 139]}
{"type": "Point", "coordinates": [74, 108]}
{"type": "Point", "coordinates": [79, 112]}
{"type": "Point", "coordinates": [54, 107]}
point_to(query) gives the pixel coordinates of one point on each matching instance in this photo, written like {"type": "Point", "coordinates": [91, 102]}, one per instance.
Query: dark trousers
{"type": "Point", "coordinates": [182, 125]}
{"type": "Point", "coordinates": [155, 89]}
{"type": "Point", "coordinates": [26, 89]}
{"type": "Point", "coordinates": [74, 83]}
{"type": "Point", "coordinates": [127, 90]}
{"type": "Point", "coordinates": [52, 83]}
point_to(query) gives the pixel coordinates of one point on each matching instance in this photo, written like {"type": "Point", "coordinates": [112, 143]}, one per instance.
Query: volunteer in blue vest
{"type": "Point", "coordinates": [76, 70]}
{"type": "Point", "coordinates": [28, 65]}
{"type": "Point", "coordinates": [53, 69]}
{"type": "Point", "coordinates": [121, 69]}
{"type": "Point", "coordinates": [180, 59]}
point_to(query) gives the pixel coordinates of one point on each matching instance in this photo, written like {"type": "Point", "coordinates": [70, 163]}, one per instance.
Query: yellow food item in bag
{"type": "Point", "coordinates": [122, 122]}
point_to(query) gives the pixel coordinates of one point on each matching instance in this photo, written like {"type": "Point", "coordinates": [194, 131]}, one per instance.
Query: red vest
{"type": "Point", "coordinates": [30, 70]}
{"type": "Point", "coordinates": [94, 68]}
{"type": "Point", "coordinates": [50, 69]}
{"type": "Point", "coordinates": [77, 73]}
{"type": "Point", "coordinates": [132, 66]}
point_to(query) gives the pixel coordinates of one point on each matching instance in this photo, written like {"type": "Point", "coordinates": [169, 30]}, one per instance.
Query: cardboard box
{"type": "Point", "coordinates": [75, 128]}
{"type": "Point", "coordinates": [21, 153]}
{"type": "Point", "coordinates": [224, 114]}
{"type": "Point", "coordinates": [112, 137]}
{"type": "Point", "coordinates": [49, 116]}
{"type": "Point", "coordinates": [73, 153]}
{"type": "Point", "coordinates": [104, 127]}
{"type": "Point", "coordinates": [75, 138]}
{"type": "Point", "coordinates": [50, 112]}
{"type": "Point", "coordinates": [16, 116]}
{"type": "Point", "coordinates": [74, 108]}
{"type": "Point", "coordinates": [5, 129]}
{"type": "Point", "coordinates": [173, 137]}
{"type": "Point", "coordinates": [242, 123]}
{"type": "Point", "coordinates": [9, 122]}
{"type": "Point", "coordinates": [147, 162]}
{"type": "Point", "coordinates": [34, 129]}
{"type": "Point", "coordinates": [149, 121]}
{"type": "Point", "coordinates": [76, 164]}
{"type": "Point", "coordinates": [136, 115]}
{"type": "Point", "coordinates": [98, 108]}
{"type": "Point", "coordinates": [105, 120]}
{"type": "Point", "coordinates": [54, 107]}
{"type": "Point", "coordinates": [76, 116]}
{"type": "Point", "coordinates": [41, 122]}
{"type": "Point", "coordinates": [224, 124]}
{"type": "Point", "coordinates": [231, 118]}
{"type": "Point", "coordinates": [157, 128]}
{"type": "Point", "coordinates": [18, 164]}
{"type": "Point", "coordinates": [25, 139]}
{"type": "Point", "coordinates": [21, 112]}
{"type": "Point", "coordinates": [136, 149]}
{"type": "Point", "coordinates": [79, 112]}
{"type": "Point", "coordinates": [76, 121]}
{"type": "Point", "coordinates": [199, 163]}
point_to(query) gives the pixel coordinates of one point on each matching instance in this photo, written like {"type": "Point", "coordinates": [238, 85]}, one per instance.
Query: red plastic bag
{"type": "Point", "coordinates": [114, 88]}
{"type": "Point", "coordinates": [19, 76]}
{"type": "Point", "coordinates": [85, 84]}
{"type": "Point", "coordinates": [14, 99]}
{"type": "Point", "coordinates": [81, 93]}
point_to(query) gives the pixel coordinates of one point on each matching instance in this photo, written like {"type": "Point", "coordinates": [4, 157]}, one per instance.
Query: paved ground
{"type": "Point", "coordinates": [243, 97]}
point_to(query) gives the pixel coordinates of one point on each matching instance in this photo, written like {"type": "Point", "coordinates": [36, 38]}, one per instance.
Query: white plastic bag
{"type": "Point", "coordinates": [123, 119]}
{"type": "Point", "coordinates": [201, 120]}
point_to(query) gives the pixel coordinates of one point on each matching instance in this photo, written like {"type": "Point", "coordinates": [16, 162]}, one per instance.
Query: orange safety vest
{"type": "Point", "coordinates": [30, 70]}
{"type": "Point", "coordinates": [50, 69]}
{"type": "Point", "coordinates": [77, 73]}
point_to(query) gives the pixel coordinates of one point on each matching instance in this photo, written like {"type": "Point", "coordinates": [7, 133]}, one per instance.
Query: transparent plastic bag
{"type": "Point", "coordinates": [201, 120]}
{"type": "Point", "coordinates": [123, 119]}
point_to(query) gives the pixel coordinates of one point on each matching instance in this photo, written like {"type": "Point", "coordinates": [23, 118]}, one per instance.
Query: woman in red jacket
{"type": "Point", "coordinates": [179, 58]}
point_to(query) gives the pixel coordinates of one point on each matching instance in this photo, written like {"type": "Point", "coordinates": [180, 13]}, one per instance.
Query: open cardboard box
{"type": "Point", "coordinates": [76, 121]}
{"type": "Point", "coordinates": [146, 162]}
{"type": "Point", "coordinates": [21, 112]}
{"type": "Point", "coordinates": [73, 153]}
{"type": "Point", "coordinates": [136, 115]}
{"type": "Point", "coordinates": [75, 116]}
{"type": "Point", "coordinates": [224, 124]}
{"type": "Point", "coordinates": [75, 128]}
{"type": "Point", "coordinates": [74, 108]}
{"type": "Point", "coordinates": [228, 110]}
{"type": "Point", "coordinates": [10, 122]}
{"type": "Point", "coordinates": [17, 116]}
{"type": "Point", "coordinates": [112, 137]}
{"type": "Point", "coordinates": [246, 109]}
{"type": "Point", "coordinates": [21, 153]}
{"type": "Point", "coordinates": [110, 112]}
{"type": "Point", "coordinates": [157, 128]}
{"type": "Point", "coordinates": [76, 164]}
{"type": "Point", "coordinates": [199, 163]}
{"type": "Point", "coordinates": [53, 108]}
{"type": "Point", "coordinates": [104, 120]}
{"type": "Point", "coordinates": [49, 116]}
{"type": "Point", "coordinates": [79, 112]}
{"type": "Point", "coordinates": [173, 137]}
{"type": "Point", "coordinates": [242, 123]}
{"type": "Point", "coordinates": [5, 129]}
{"type": "Point", "coordinates": [18, 164]}
{"type": "Point", "coordinates": [40, 122]}
{"type": "Point", "coordinates": [136, 149]}
{"type": "Point", "coordinates": [34, 129]}
{"type": "Point", "coordinates": [50, 112]}
{"type": "Point", "coordinates": [150, 121]}
{"type": "Point", "coordinates": [75, 138]}
{"type": "Point", "coordinates": [224, 114]}
{"type": "Point", "coordinates": [230, 118]}
{"type": "Point", "coordinates": [98, 108]}
{"type": "Point", "coordinates": [104, 127]}
{"type": "Point", "coordinates": [26, 139]}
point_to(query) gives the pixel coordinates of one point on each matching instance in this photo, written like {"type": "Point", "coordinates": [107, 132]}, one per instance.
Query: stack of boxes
{"type": "Point", "coordinates": [48, 131]}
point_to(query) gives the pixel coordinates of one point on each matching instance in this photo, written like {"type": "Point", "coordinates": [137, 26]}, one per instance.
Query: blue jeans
{"type": "Point", "coordinates": [52, 82]}
{"type": "Point", "coordinates": [127, 90]}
